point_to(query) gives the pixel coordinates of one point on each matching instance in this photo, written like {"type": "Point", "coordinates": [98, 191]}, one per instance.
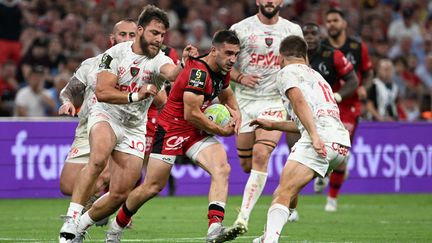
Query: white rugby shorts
{"type": "Point", "coordinates": [266, 109]}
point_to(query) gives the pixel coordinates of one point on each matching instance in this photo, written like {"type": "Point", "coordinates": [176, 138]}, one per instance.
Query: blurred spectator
{"type": "Point", "coordinates": [383, 95]}
{"type": "Point", "coordinates": [55, 55]}
{"type": "Point", "coordinates": [8, 88]}
{"type": "Point", "coordinates": [198, 36]}
{"type": "Point", "coordinates": [36, 55]}
{"type": "Point", "coordinates": [34, 100]}
{"type": "Point", "coordinates": [410, 106]}
{"type": "Point", "coordinates": [10, 30]}
{"type": "Point", "coordinates": [405, 26]}
{"type": "Point", "coordinates": [424, 72]}
{"type": "Point", "coordinates": [400, 65]}
{"type": "Point", "coordinates": [60, 82]}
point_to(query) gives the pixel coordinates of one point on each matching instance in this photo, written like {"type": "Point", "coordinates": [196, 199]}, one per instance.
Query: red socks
{"type": "Point", "coordinates": [337, 178]}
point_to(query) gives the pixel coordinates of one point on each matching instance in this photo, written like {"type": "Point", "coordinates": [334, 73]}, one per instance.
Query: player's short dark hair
{"type": "Point", "coordinates": [336, 11]}
{"type": "Point", "coordinates": [151, 12]}
{"type": "Point", "coordinates": [293, 46]}
{"type": "Point", "coordinates": [225, 36]}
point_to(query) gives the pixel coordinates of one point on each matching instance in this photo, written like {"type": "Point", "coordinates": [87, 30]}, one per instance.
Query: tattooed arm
{"type": "Point", "coordinates": [71, 95]}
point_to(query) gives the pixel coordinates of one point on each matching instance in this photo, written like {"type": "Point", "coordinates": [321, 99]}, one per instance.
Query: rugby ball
{"type": "Point", "coordinates": [218, 113]}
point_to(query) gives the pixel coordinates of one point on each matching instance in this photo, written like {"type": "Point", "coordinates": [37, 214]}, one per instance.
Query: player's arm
{"type": "Point", "coordinates": [366, 73]}
{"type": "Point", "coordinates": [345, 71]}
{"type": "Point", "coordinates": [350, 86]}
{"type": "Point", "coordinates": [71, 96]}
{"type": "Point", "coordinates": [106, 90]}
{"type": "Point", "coordinates": [194, 115]}
{"type": "Point", "coordinates": [284, 126]}
{"type": "Point", "coordinates": [228, 98]}
{"type": "Point", "coordinates": [304, 113]}
{"type": "Point", "coordinates": [249, 80]}
{"type": "Point", "coordinates": [160, 99]}
{"type": "Point", "coordinates": [170, 71]}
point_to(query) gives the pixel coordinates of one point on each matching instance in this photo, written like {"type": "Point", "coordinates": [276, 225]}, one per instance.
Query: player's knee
{"type": "Point", "coordinates": [97, 165]}
{"type": "Point", "coordinates": [118, 197]}
{"type": "Point", "coordinates": [222, 171]}
{"type": "Point", "coordinates": [66, 187]}
{"type": "Point", "coordinates": [261, 155]}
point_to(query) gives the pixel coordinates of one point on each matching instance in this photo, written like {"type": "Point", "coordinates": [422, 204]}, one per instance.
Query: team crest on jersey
{"type": "Point", "coordinates": [326, 53]}
{"type": "Point", "coordinates": [269, 41]}
{"type": "Point", "coordinates": [134, 71]}
{"type": "Point", "coordinates": [354, 45]}
{"type": "Point", "coordinates": [197, 78]}
{"type": "Point", "coordinates": [106, 61]}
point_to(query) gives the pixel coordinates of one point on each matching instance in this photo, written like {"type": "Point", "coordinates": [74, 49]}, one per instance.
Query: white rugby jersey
{"type": "Point", "coordinates": [133, 71]}
{"type": "Point", "coordinates": [259, 54]}
{"type": "Point", "coordinates": [319, 96]}
{"type": "Point", "coordinates": [87, 74]}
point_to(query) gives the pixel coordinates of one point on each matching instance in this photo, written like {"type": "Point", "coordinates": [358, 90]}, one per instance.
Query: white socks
{"type": "Point", "coordinates": [74, 211]}
{"type": "Point", "coordinates": [252, 192]}
{"type": "Point", "coordinates": [277, 217]}
{"type": "Point", "coordinates": [85, 222]}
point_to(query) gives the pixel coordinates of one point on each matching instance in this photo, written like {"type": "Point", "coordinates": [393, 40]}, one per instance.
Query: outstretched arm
{"type": "Point", "coordinates": [71, 96]}
{"type": "Point", "coordinates": [304, 113]}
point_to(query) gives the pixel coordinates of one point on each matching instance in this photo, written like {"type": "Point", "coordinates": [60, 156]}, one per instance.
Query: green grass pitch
{"type": "Point", "coordinates": [360, 218]}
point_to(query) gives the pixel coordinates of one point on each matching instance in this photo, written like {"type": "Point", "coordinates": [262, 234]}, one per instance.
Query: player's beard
{"type": "Point", "coordinates": [145, 47]}
{"type": "Point", "coordinates": [334, 34]}
{"type": "Point", "coordinates": [268, 14]}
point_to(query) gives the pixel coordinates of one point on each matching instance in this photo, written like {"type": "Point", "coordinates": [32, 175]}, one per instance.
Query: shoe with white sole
{"type": "Point", "coordinates": [294, 216]}
{"type": "Point", "coordinates": [320, 184]}
{"type": "Point", "coordinates": [331, 205]}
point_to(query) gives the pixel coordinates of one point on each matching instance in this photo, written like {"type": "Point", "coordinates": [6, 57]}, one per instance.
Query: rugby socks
{"type": "Point", "coordinates": [124, 217]}
{"type": "Point", "coordinates": [252, 192]}
{"type": "Point", "coordinates": [277, 217]}
{"type": "Point", "coordinates": [85, 222]}
{"type": "Point", "coordinates": [337, 178]}
{"type": "Point", "coordinates": [216, 212]}
{"type": "Point", "coordinates": [75, 210]}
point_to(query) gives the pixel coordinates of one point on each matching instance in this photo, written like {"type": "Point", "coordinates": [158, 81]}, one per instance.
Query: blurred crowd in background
{"type": "Point", "coordinates": [42, 42]}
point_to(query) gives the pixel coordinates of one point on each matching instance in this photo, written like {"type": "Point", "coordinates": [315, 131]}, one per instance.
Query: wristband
{"type": "Point", "coordinates": [337, 97]}
{"type": "Point", "coordinates": [133, 97]}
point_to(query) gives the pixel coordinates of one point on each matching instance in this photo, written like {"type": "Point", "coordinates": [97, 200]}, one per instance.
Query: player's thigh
{"type": "Point", "coordinates": [245, 140]}
{"type": "Point", "coordinates": [69, 173]}
{"type": "Point", "coordinates": [295, 176]}
{"type": "Point", "coordinates": [213, 159]}
{"type": "Point", "coordinates": [125, 170]}
{"type": "Point", "coordinates": [158, 171]}
{"type": "Point", "coordinates": [102, 139]}
{"type": "Point", "coordinates": [272, 137]}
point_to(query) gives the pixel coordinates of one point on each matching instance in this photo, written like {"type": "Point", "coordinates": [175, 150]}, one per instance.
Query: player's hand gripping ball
{"type": "Point", "coordinates": [218, 113]}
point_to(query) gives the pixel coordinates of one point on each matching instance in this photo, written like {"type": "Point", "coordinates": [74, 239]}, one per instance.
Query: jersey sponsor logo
{"type": "Point", "coordinates": [268, 41]}
{"type": "Point", "coordinates": [269, 59]}
{"type": "Point", "coordinates": [323, 69]}
{"type": "Point", "coordinates": [134, 71]}
{"type": "Point", "coordinates": [106, 61]}
{"type": "Point", "coordinates": [197, 78]}
{"type": "Point", "coordinates": [175, 142]}
{"type": "Point", "coordinates": [133, 87]}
